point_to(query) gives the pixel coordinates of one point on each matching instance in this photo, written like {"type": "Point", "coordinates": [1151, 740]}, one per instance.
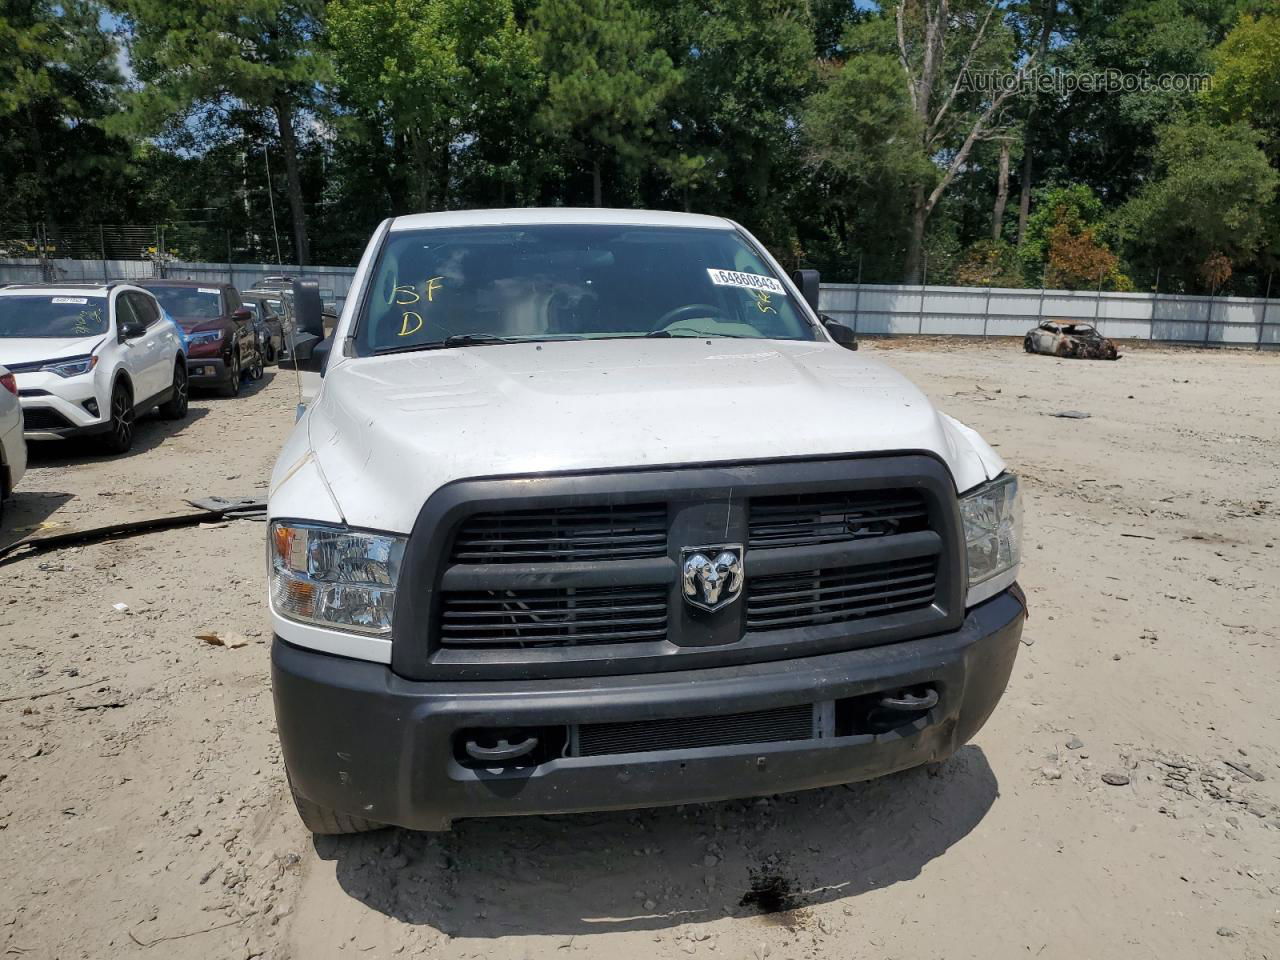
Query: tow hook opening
{"type": "Point", "coordinates": [885, 710]}
{"type": "Point", "coordinates": [512, 748]}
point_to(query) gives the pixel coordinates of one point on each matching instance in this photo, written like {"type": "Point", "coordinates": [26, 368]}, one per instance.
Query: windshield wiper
{"type": "Point", "coordinates": [473, 339]}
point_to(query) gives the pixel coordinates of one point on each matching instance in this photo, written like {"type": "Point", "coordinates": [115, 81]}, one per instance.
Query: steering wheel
{"type": "Point", "coordinates": [688, 312]}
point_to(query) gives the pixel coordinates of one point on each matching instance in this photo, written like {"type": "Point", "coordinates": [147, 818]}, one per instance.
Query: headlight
{"type": "Point", "coordinates": [992, 516]}
{"type": "Point", "coordinates": [71, 368]}
{"type": "Point", "coordinates": [209, 336]}
{"type": "Point", "coordinates": [333, 577]}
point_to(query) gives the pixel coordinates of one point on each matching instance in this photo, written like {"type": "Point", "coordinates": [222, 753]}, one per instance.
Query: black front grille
{"type": "Point", "coordinates": [566, 534]}
{"type": "Point", "coordinates": [795, 520]}
{"type": "Point", "coordinates": [43, 418]}
{"type": "Point", "coordinates": [559, 617]}
{"type": "Point", "coordinates": [685, 733]}
{"type": "Point", "coordinates": [840, 594]}
{"type": "Point", "coordinates": [575, 575]}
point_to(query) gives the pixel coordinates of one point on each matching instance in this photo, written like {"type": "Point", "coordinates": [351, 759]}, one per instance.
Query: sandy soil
{"type": "Point", "coordinates": [144, 812]}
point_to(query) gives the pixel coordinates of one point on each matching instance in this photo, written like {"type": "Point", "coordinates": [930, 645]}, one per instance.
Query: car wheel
{"type": "Point", "coordinates": [255, 369]}
{"type": "Point", "coordinates": [119, 436]}
{"type": "Point", "coordinates": [175, 408]}
{"type": "Point", "coordinates": [232, 386]}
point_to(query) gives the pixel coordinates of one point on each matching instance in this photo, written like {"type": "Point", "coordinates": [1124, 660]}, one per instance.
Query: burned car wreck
{"type": "Point", "coordinates": [1081, 341]}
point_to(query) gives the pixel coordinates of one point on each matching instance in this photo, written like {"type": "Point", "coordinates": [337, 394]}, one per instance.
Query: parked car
{"type": "Point", "coordinates": [13, 445]}
{"type": "Point", "coordinates": [1062, 339]}
{"type": "Point", "coordinates": [221, 338]}
{"type": "Point", "coordinates": [90, 358]}
{"type": "Point", "coordinates": [593, 510]}
{"type": "Point", "coordinates": [268, 322]}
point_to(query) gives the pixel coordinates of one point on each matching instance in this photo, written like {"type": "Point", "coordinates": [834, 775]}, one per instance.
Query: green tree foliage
{"type": "Point", "coordinates": [607, 83]}
{"type": "Point", "coordinates": [864, 142]}
{"type": "Point", "coordinates": [1073, 205]}
{"type": "Point", "coordinates": [850, 137]}
{"type": "Point", "coordinates": [1211, 198]}
{"type": "Point", "coordinates": [223, 55]}
{"type": "Point", "coordinates": [58, 76]}
{"type": "Point", "coordinates": [747, 66]}
{"type": "Point", "coordinates": [1246, 77]}
{"type": "Point", "coordinates": [434, 82]}
{"type": "Point", "coordinates": [937, 44]}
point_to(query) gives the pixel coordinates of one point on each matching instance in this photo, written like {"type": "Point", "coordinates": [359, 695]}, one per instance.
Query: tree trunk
{"type": "Point", "coordinates": [915, 246]}
{"type": "Point", "coordinates": [1024, 192]}
{"type": "Point", "coordinates": [421, 193]}
{"type": "Point", "coordinates": [1002, 192]}
{"type": "Point", "coordinates": [442, 178]}
{"type": "Point", "coordinates": [597, 190]}
{"type": "Point", "coordinates": [293, 178]}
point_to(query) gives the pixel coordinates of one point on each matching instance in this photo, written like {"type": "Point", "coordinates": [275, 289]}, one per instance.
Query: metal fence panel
{"type": "Point", "coordinates": [999, 311]}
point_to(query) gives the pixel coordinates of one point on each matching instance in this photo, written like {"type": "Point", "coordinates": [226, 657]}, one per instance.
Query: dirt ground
{"type": "Point", "coordinates": [1107, 809]}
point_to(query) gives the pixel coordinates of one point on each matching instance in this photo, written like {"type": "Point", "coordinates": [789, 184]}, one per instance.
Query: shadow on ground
{"type": "Point", "coordinates": [148, 433]}
{"type": "Point", "coordinates": [655, 869]}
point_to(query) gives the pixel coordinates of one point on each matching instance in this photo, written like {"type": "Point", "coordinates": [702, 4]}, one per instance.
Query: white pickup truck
{"type": "Point", "coordinates": [592, 509]}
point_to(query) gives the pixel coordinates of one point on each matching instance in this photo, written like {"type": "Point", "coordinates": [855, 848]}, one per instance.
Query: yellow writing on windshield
{"type": "Point", "coordinates": [410, 323]}
{"type": "Point", "coordinates": [403, 291]}
{"type": "Point", "coordinates": [763, 303]}
{"type": "Point", "coordinates": [432, 286]}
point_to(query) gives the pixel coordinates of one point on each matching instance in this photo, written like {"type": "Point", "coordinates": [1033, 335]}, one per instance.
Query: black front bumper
{"type": "Point", "coordinates": [206, 371]}
{"type": "Point", "coordinates": [363, 741]}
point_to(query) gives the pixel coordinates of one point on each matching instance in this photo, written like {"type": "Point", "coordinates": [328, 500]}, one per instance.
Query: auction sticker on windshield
{"type": "Point", "coordinates": [70, 299]}
{"type": "Point", "coordinates": [748, 281]}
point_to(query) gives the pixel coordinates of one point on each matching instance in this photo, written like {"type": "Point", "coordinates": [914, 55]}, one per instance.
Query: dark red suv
{"type": "Point", "coordinates": [221, 345]}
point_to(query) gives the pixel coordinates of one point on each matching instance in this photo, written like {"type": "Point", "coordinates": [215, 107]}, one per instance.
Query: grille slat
{"type": "Point", "coordinates": [924, 588]}
{"type": "Point", "coordinates": [515, 618]}
{"type": "Point", "coordinates": [684, 733]}
{"type": "Point", "coordinates": [839, 595]}
{"type": "Point", "coordinates": [806, 519]}
{"type": "Point", "coordinates": [564, 534]}
{"type": "Point", "coordinates": [834, 589]}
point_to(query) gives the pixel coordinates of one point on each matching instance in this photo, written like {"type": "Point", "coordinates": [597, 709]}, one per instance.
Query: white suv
{"type": "Point", "coordinates": [89, 358]}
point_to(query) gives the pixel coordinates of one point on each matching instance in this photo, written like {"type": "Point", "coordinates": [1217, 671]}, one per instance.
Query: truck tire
{"type": "Point", "coordinates": [326, 822]}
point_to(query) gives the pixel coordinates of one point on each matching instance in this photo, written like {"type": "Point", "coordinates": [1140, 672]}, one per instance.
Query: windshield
{"type": "Point", "coordinates": [572, 281]}
{"type": "Point", "coordinates": [53, 316]}
{"type": "Point", "coordinates": [189, 301]}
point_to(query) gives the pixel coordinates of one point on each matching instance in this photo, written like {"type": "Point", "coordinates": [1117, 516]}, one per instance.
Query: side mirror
{"type": "Point", "coordinates": [810, 283]}
{"type": "Point", "coordinates": [310, 354]}
{"type": "Point", "coordinates": [308, 313]}
{"type": "Point", "coordinates": [132, 329]}
{"type": "Point", "coordinates": [242, 314]}
{"type": "Point", "coordinates": [839, 333]}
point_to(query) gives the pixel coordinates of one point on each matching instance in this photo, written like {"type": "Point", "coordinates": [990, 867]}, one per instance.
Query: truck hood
{"type": "Point", "coordinates": [387, 432]}
{"type": "Point", "coordinates": [19, 350]}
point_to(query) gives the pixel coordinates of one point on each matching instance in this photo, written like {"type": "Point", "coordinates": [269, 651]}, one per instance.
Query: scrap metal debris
{"type": "Point", "coordinates": [209, 509]}
{"type": "Point", "coordinates": [1072, 414]}
{"type": "Point", "coordinates": [1080, 341]}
